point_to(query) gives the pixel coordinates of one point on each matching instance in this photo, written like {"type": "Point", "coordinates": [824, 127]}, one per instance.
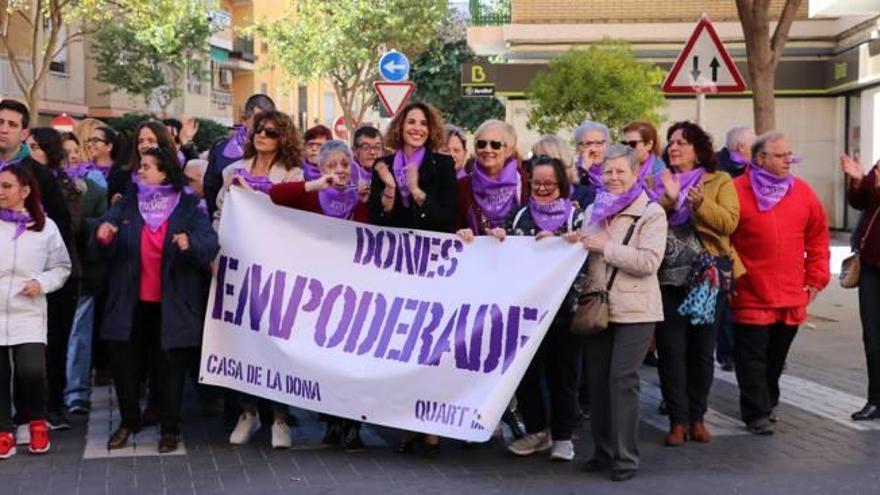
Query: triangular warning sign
{"type": "Point", "coordinates": [704, 66]}
{"type": "Point", "coordinates": [393, 95]}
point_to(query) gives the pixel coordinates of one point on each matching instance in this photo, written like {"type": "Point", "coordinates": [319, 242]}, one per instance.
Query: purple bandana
{"type": "Point", "coordinates": [4, 164]}
{"type": "Point", "coordinates": [361, 174]}
{"type": "Point", "coordinates": [495, 198]}
{"type": "Point", "coordinates": [738, 159]}
{"type": "Point", "coordinates": [181, 158]}
{"type": "Point", "coordinates": [592, 175]}
{"type": "Point", "coordinates": [550, 216]}
{"type": "Point", "coordinates": [647, 166]}
{"type": "Point", "coordinates": [682, 213]}
{"type": "Point", "coordinates": [462, 172]}
{"type": "Point", "coordinates": [234, 148]}
{"type": "Point", "coordinates": [608, 204]}
{"type": "Point", "coordinates": [261, 184]}
{"type": "Point", "coordinates": [768, 188]}
{"type": "Point", "coordinates": [19, 218]}
{"type": "Point", "coordinates": [156, 203]}
{"type": "Point", "coordinates": [338, 203]}
{"type": "Point", "coordinates": [399, 171]}
{"type": "Point", "coordinates": [310, 171]}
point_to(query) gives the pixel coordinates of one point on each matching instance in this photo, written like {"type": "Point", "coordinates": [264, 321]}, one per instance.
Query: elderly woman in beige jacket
{"type": "Point", "coordinates": [622, 209]}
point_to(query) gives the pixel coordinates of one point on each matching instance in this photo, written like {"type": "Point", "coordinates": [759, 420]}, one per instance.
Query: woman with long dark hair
{"type": "Point", "coordinates": [159, 247]}
{"type": "Point", "coordinates": [33, 262]}
{"type": "Point", "coordinates": [148, 135]}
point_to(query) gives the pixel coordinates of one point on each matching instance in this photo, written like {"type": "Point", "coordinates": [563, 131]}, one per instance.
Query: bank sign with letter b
{"type": "Point", "coordinates": [704, 65]}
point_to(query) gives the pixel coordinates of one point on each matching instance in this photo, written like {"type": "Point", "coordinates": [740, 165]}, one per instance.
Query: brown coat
{"type": "Point", "coordinates": [716, 217]}
{"type": "Point", "coordinates": [635, 295]}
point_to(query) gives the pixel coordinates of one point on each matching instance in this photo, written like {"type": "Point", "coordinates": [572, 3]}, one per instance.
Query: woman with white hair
{"type": "Point", "coordinates": [591, 139]}
{"type": "Point", "coordinates": [496, 186]}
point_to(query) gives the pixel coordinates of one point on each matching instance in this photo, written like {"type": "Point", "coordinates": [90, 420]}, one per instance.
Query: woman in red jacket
{"type": "Point", "coordinates": [782, 238]}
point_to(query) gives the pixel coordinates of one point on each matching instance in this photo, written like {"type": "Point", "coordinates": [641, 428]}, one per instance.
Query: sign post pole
{"type": "Point", "coordinates": [701, 108]}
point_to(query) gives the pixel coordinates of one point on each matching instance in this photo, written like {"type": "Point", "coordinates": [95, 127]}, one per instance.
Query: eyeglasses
{"type": "Point", "coordinates": [632, 144]}
{"type": "Point", "coordinates": [590, 144]}
{"type": "Point", "coordinates": [96, 140]}
{"type": "Point", "coordinates": [788, 156]}
{"type": "Point", "coordinates": [482, 143]}
{"type": "Point", "coordinates": [366, 147]}
{"type": "Point", "coordinates": [269, 132]}
{"type": "Point", "coordinates": [546, 185]}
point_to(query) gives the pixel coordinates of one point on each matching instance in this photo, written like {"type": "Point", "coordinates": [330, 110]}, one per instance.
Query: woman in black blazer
{"type": "Point", "coordinates": [415, 187]}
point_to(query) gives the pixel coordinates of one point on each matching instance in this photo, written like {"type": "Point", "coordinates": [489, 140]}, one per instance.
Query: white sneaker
{"type": "Point", "coordinates": [531, 443]}
{"type": "Point", "coordinates": [563, 450]}
{"type": "Point", "coordinates": [23, 434]}
{"type": "Point", "coordinates": [280, 435]}
{"type": "Point", "coordinates": [248, 424]}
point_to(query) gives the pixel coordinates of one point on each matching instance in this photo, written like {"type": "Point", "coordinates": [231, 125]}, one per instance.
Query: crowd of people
{"type": "Point", "coordinates": [107, 257]}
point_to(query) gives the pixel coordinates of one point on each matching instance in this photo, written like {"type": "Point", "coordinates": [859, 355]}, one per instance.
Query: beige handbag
{"type": "Point", "coordinates": [851, 267]}
{"type": "Point", "coordinates": [591, 313]}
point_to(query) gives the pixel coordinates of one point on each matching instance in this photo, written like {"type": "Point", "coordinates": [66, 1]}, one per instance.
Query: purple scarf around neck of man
{"type": "Point", "coordinates": [769, 189]}
{"type": "Point", "coordinates": [398, 168]}
{"type": "Point", "coordinates": [494, 197]}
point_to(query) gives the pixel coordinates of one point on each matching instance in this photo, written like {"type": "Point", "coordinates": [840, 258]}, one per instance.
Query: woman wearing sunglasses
{"type": "Point", "coordinates": [497, 184]}
{"type": "Point", "coordinates": [641, 136]}
{"type": "Point", "coordinates": [271, 156]}
{"type": "Point", "coordinates": [415, 187]}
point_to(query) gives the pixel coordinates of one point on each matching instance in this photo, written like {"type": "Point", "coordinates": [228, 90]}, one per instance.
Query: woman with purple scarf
{"type": "Point", "coordinates": [159, 248]}
{"type": "Point", "coordinates": [33, 262]}
{"type": "Point", "coordinates": [703, 211]}
{"type": "Point", "coordinates": [591, 139]}
{"type": "Point", "coordinates": [271, 156]}
{"type": "Point", "coordinates": [496, 186]}
{"type": "Point", "coordinates": [625, 236]}
{"type": "Point", "coordinates": [548, 212]}
{"type": "Point", "coordinates": [314, 138]}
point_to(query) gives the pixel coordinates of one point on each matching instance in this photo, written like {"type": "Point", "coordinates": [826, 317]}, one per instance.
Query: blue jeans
{"type": "Point", "coordinates": [79, 352]}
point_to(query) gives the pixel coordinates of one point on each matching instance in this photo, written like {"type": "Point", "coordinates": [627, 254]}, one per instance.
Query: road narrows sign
{"type": "Point", "coordinates": [704, 65]}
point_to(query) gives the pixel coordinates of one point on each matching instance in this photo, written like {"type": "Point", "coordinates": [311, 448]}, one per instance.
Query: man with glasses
{"type": "Point", "coordinates": [367, 147]}
{"type": "Point", "coordinates": [782, 238]}
{"type": "Point", "coordinates": [591, 139]}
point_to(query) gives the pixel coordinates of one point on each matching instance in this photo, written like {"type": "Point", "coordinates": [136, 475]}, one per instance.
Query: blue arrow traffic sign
{"type": "Point", "coordinates": [394, 66]}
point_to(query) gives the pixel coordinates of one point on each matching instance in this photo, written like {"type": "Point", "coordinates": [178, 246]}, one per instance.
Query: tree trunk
{"type": "Point", "coordinates": [763, 99]}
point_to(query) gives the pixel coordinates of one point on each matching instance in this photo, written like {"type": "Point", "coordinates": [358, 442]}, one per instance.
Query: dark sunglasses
{"type": "Point", "coordinates": [631, 144]}
{"type": "Point", "coordinates": [482, 143]}
{"type": "Point", "coordinates": [269, 132]}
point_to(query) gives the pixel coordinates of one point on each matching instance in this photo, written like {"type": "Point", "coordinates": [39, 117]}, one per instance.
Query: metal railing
{"type": "Point", "coordinates": [489, 12]}
{"type": "Point", "coordinates": [243, 48]}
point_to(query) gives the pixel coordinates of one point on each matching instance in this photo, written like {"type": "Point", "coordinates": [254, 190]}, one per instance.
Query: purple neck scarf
{"type": "Point", "coordinates": [738, 159]}
{"type": "Point", "coordinates": [462, 172]}
{"type": "Point", "coordinates": [261, 184]}
{"type": "Point", "coordinates": [592, 175]}
{"type": "Point", "coordinates": [181, 158]}
{"type": "Point", "coordinates": [310, 170]}
{"type": "Point", "coordinates": [495, 198]}
{"type": "Point", "coordinates": [156, 203]}
{"type": "Point", "coordinates": [338, 203]}
{"type": "Point", "coordinates": [361, 174]}
{"type": "Point", "coordinates": [399, 171]}
{"type": "Point", "coordinates": [642, 178]}
{"type": "Point", "coordinates": [19, 218]}
{"type": "Point", "coordinates": [608, 204]}
{"type": "Point", "coordinates": [234, 148]}
{"type": "Point", "coordinates": [550, 216]}
{"type": "Point", "coordinates": [682, 213]}
{"type": "Point", "coordinates": [769, 189]}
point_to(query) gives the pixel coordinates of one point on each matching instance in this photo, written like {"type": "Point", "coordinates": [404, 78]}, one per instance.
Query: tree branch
{"type": "Point", "coordinates": [780, 34]}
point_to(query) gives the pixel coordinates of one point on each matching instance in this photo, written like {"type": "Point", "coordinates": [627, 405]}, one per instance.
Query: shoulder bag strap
{"type": "Point", "coordinates": [868, 229]}
{"type": "Point", "coordinates": [629, 234]}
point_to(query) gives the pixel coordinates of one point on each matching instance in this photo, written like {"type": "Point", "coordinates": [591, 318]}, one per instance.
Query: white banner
{"type": "Point", "coordinates": [402, 328]}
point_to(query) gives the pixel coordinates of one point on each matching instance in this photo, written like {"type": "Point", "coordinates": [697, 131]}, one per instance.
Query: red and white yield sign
{"type": "Point", "coordinates": [394, 95]}
{"type": "Point", "coordinates": [704, 66]}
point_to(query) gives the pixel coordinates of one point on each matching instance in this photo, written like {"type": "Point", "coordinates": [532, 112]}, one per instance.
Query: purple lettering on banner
{"type": "Point", "coordinates": [496, 334]}
{"type": "Point", "coordinates": [373, 332]}
{"type": "Point", "coordinates": [217, 311]}
{"type": "Point", "coordinates": [360, 317]}
{"type": "Point", "coordinates": [242, 297]}
{"type": "Point", "coordinates": [404, 255]}
{"type": "Point", "coordinates": [412, 333]}
{"type": "Point", "coordinates": [277, 298]}
{"type": "Point", "coordinates": [423, 256]}
{"type": "Point", "coordinates": [427, 337]}
{"type": "Point", "coordinates": [348, 301]}
{"type": "Point", "coordinates": [462, 359]}
{"type": "Point", "coordinates": [444, 254]}
{"type": "Point", "coordinates": [443, 344]}
{"type": "Point", "coordinates": [390, 323]}
{"type": "Point", "coordinates": [284, 330]}
{"type": "Point", "coordinates": [512, 338]}
{"type": "Point", "coordinates": [359, 245]}
{"type": "Point", "coordinates": [259, 295]}
{"type": "Point", "coordinates": [316, 289]}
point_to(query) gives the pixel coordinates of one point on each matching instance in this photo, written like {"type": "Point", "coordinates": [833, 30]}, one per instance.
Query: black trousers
{"type": "Point", "coordinates": [614, 357]}
{"type": "Point", "coordinates": [554, 369]}
{"type": "Point", "coordinates": [686, 353]}
{"type": "Point", "coordinates": [129, 359]}
{"type": "Point", "coordinates": [869, 310]}
{"type": "Point", "coordinates": [30, 383]}
{"type": "Point", "coordinates": [760, 354]}
{"type": "Point", "coordinates": [61, 306]}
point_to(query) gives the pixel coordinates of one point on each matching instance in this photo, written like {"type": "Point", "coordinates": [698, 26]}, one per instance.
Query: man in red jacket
{"type": "Point", "coordinates": [783, 240]}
